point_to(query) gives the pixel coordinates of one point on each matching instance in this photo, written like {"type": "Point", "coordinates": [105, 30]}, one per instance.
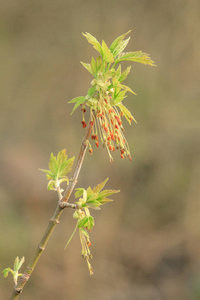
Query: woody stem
{"type": "Point", "coordinates": [62, 203]}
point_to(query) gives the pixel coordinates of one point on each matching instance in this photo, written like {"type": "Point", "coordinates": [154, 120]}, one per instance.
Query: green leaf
{"type": "Point", "coordinates": [124, 74]}
{"type": "Point", "coordinates": [120, 96]}
{"type": "Point", "coordinates": [90, 224]}
{"type": "Point", "coordinates": [87, 67]}
{"type": "Point", "coordinates": [137, 56]}
{"type": "Point", "coordinates": [99, 64]}
{"type": "Point", "coordinates": [93, 66]}
{"type": "Point", "coordinates": [92, 197]}
{"type": "Point", "coordinates": [100, 186]}
{"type": "Point", "coordinates": [78, 100]}
{"type": "Point", "coordinates": [91, 91]}
{"type": "Point", "coordinates": [127, 88]}
{"type": "Point", "coordinates": [118, 72]}
{"type": "Point", "coordinates": [89, 192]}
{"type": "Point", "coordinates": [106, 53]}
{"type": "Point", "coordinates": [105, 200]}
{"type": "Point", "coordinates": [53, 164]}
{"type": "Point", "coordinates": [6, 271]}
{"type": "Point", "coordinates": [86, 222]}
{"type": "Point", "coordinates": [48, 173]}
{"type": "Point", "coordinates": [119, 44]}
{"type": "Point", "coordinates": [79, 192]}
{"type": "Point", "coordinates": [16, 263]}
{"type": "Point", "coordinates": [83, 222]}
{"type": "Point", "coordinates": [51, 185]}
{"type": "Point", "coordinates": [107, 193]}
{"type": "Point", "coordinates": [66, 166]}
{"type": "Point", "coordinates": [59, 167]}
{"type": "Point", "coordinates": [92, 40]}
{"type": "Point", "coordinates": [22, 260]}
{"type": "Point", "coordinates": [94, 204]}
{"type": "Point", "coordinates": [126, 113]}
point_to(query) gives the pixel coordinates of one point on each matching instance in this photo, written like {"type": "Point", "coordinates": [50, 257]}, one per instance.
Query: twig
{"type": "Point", "coordinates": [62, 203]}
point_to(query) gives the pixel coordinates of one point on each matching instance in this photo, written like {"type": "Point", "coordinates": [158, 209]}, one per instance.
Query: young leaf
{"type": "Point", "coordinates": [83, 222]}
{"type": "Point", "coordinates": [86, 222]}
{"type": "Point", "coordinates": [99, 63]}
{"type": "Point", "coordinates": [16, 264]}
{"type": "Point", "coordinates": [121, 47]}
{"type": "Point", "coordinates": [93, 66]}
{"type": "Point", "coordinates": [127, 88]}
{"type": "Point", "coordinates": [79, 192]}
{"type": "Point", "coordinates": [20, 263]}
{"type": "Point", "coordinates": [105, 200]}
{"type": "Point", "coordinates": [89, 192]}
{"type": "Point", "coordinates": [78, 100]}
{"type": "Point", "coordinates": [137, 56]}
{"type": "Point", "coordinates": [124, 74]}
{"type": "Point", "coordinates": [100, 186]}
{"type": "Point", "coordinates": [92, 40]}
{"type": "Point", "coordinates": [107, 193]}
{"type": "Point", "coordinates": [126, 113]}
{"type": "Point", "coordinates": [90, 223]}
{"type": "Point", "coordinates": [106, 53]}
{"type": "Point", "coordinates": [94, 204]}
{"type": "Point", "coordinates": [65, 166]}
{"type": "Point", "coordinates": [119, 44]}
{"type": "Point", "coordinates": [87, 67]}
{"type": "Point", "coordinates": [59, 167]}
{"type": "Point", "coordinates": [91, 91]}
{"type": "Point", "coordinates": [6, 272]}
{"type": "Point", "coordinates": [120, 97]}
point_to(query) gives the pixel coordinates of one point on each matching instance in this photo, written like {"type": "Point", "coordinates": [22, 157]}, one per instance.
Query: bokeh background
{"type": "Point", "coordinates": [146, 244]}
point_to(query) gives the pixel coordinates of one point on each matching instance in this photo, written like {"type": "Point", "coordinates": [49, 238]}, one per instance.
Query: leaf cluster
{"type": "Point", "coordinates": [94, 198]}
{"type": "Point", "coordinates": [107, 78]}
{"type": "Point", "coordinates": [59, 167]}
{"type": "Point", "coordinates": [15, 271]}
{"type": "Point", "coordinates": [90, 198]}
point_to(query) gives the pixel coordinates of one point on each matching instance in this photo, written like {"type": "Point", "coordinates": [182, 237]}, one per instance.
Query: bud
{"type": "Point", "coordinates": [83, 124]}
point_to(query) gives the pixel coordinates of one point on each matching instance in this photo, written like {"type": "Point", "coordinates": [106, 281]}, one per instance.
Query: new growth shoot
{"type": "Point", "coordinates": [104, 99]}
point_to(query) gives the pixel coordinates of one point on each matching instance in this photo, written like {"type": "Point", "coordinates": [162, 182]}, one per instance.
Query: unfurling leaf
{"type": "Point", "coordinates": [59, 167]}
{"type": "Point", "coordinates": [78, 101]}
{"type": "Point", "coordinates": [18, 263]}
{"type": "Point", "coordinates": [137, 56]}
{"type": "Point", "coordinates": [124, 74]}
{"type": "Point", "coordinates": [92, 40]}
{"type": "Point", "coordinates": [119, 44]}
{"type": "Point", "coordinates": [86, 222]}
{"type": "Point", "coordinates": [6, 271]}
{"type": "Point", "coordinates": [100, 186]}
{"type": "Point", "coordinates": [107, 93]}
{"type": "Point", "coordinates": [126, 113]}
{"type": "Point", "coordinates": [79, 192]}
{"type": "Point", "coordinates": [106, 53]}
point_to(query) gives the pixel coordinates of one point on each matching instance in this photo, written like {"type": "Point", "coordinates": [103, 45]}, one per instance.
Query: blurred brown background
{"type": "Point", "coordinates": [146, 244]}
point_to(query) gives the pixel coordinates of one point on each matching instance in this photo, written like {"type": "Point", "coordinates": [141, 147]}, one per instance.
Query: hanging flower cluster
{"type": "Point", "coordinates": [105, 96]}
{"type": "Point", "coordinates": [108, 126]}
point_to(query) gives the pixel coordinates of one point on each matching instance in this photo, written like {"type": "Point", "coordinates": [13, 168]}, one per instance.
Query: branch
{"type": "Point", "coordinates": [62, 203]}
